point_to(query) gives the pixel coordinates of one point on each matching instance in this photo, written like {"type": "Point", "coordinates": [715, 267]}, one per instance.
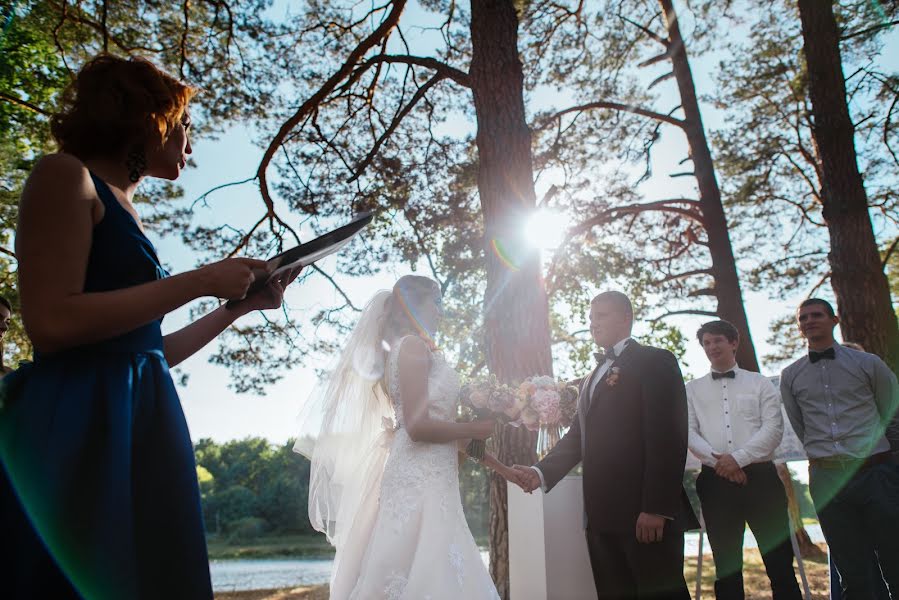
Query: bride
{"type": "Point", "coordinates": [384, 478]}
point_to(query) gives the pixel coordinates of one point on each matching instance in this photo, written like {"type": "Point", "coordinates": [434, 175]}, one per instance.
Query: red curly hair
{"type": "Point", "coordinates": [115, 104]}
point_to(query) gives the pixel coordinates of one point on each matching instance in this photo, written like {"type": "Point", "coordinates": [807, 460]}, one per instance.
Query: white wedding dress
{"type": "Point", "coordinates": [420, 546]}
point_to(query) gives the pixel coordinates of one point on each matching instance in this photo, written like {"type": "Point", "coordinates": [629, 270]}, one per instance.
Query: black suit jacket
{"type": "Point", "coordinates": [635, 445]}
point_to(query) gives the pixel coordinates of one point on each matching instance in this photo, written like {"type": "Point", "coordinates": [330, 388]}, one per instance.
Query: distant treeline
{"type": "Point", "coordinates": [251, 487]}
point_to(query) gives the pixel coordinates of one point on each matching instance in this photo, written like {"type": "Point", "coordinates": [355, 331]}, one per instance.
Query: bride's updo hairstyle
{"type": "Point", "coordinates": [409, 293]}
{"type": "Point", "coordinates": [117, 105]}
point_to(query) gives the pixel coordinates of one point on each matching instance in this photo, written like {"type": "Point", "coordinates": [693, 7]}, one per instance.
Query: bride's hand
{"type": "Point", "coordinates": [509, 474]}
{"type": "Point", "coordinates": [481, 430]}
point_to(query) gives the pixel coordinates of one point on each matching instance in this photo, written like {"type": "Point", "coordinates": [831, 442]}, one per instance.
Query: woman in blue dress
{"type": "Point", "coordinates": [99, 495]}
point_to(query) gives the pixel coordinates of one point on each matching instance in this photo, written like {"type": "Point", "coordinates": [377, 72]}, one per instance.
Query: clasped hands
{"type": "Point", "coordinates": [525, 477]}
{"type": "Point", "coordinates": [727, 467]}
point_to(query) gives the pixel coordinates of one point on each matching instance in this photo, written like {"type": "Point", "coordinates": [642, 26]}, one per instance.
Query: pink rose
{"type": "Point", "coordinates": [546, 403]}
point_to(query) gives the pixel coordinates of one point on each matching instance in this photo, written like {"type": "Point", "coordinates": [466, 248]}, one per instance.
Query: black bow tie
{"type": "Point", "coordinates": [816, 356]}
{"type": "Point", "coordinates": [602, 357]}
{"type": "Point", "coordinates": [726, 375]}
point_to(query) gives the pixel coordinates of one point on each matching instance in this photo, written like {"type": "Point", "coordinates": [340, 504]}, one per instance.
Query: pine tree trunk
{"type": "Point", "coordinates": [857, 277]}
{"type": "Point", "coordinates": [724, 268]}
{"type": "Point", "coordinates": [515, 303]}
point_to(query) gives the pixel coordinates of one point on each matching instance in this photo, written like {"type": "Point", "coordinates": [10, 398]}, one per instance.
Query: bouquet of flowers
{"type": "Point", "coordinates": [537, 402]}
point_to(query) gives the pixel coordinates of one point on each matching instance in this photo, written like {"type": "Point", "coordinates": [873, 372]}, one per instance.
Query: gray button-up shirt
{"type": "Point", "coordinates": [840, 407]}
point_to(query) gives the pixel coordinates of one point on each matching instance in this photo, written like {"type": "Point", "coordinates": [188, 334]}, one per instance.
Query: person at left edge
{"type": "Point", "coordinates": [99, 496]}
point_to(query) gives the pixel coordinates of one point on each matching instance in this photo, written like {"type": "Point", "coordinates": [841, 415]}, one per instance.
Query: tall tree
{"type": "Point", "coordinates": [857, 275]}
{"type": "Point", "coordinates": [772, 166]}
{"type": "Point", "coordinates": [516, 315]}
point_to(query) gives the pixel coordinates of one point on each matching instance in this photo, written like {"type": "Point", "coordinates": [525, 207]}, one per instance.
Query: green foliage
{"type": "Point", "coordinates": [246, 529]}
{"type": "Point", "coordinates": [250, 478]}
{"type": "Point", "coordinates": [475, 489]}
{"type": "Point", "coordinates": [690, 488]}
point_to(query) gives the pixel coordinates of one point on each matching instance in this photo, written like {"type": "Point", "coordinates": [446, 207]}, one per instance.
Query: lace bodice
{"type": "Point", "coordinates": [443, 386]}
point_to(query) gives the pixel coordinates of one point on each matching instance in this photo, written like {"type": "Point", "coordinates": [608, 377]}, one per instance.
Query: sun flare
{"type": "Point", "coordinates": [546, 229]}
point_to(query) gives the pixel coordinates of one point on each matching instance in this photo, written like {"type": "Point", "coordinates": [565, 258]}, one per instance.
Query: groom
{"type": "Point", "coordinates": [631, 436]}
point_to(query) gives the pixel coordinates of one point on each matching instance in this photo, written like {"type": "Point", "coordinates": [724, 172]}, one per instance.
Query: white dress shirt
{"type": "Point", "coordinates": [740, 416]}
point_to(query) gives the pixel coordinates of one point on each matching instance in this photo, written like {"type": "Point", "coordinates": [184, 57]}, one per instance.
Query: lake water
{"type": "Point", "coordinates": [239, 575]}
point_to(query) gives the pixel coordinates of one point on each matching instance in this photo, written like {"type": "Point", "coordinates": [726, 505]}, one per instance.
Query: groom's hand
{"type": "Point", "coordinates": [526, 478]}
{"type": "Point", "coordinates": [650, 528]}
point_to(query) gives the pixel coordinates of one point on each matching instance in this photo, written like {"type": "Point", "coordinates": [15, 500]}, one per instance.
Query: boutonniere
{"type": "Point", "coordinates": [612, 377]}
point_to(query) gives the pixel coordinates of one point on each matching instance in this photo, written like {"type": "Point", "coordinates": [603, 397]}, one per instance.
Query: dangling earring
{"type": "Point", "coordinates": [136, 162]}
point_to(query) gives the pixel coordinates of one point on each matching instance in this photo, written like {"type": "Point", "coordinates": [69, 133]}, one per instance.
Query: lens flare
{"type": "Point", "coordinates": [546, 229]}
{"type": "Point", "coordinates": [423, 332]}
{"type": "Point", "coordinates": [504, 255]}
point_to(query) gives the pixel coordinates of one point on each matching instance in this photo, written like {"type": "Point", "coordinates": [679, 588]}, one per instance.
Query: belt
{"type": "Point", "coordinates": [849, 462]}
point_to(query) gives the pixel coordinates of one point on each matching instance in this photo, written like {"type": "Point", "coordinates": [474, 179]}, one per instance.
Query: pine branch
{"type": "Point", "coordinates": [868, 30]}
{"type": "Point", "coordinates": [683, 275]}
{"type": "Point", "coordinates": [651, 34]}
{"type": "Point", "coordinates": [313, 102]}
{"type": "Point", "coordinates": [672, 313]}
{"type": "Point", "coordinates": [24, 104]}
{"type": "Point", "coordinates": [419, 94]}
{"type": "Point", "coordinates": [637, 110]}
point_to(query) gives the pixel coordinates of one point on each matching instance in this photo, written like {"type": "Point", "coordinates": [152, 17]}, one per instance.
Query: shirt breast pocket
{"type": "Point", "coordinates": [748, 408]}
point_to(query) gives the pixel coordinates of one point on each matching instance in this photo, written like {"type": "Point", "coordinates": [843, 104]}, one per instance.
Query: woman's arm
{"type": "Point", "coordinates": [53, 241]}
{"type": "Point", "coordinates": [490, 461]}
{"type": "Point", "coordinates": [186, 341]}
{"type": "Point", "coordinates": [414, 366]}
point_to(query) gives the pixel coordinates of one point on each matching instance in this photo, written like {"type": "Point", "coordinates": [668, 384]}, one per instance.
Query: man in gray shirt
{"type": "Point", "coordinates": [839, 401]}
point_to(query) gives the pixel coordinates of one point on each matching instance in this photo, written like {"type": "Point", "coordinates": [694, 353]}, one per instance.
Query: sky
{"type": "Point", "coordinates": [214, 411]}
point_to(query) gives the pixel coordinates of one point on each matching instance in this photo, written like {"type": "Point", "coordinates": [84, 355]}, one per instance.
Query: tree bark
{"type": "Point", "coordinates": [516, 311]}
{"type": "Point", "coordinates": [724, 268]}
{"type": "Point", "coordinates": [859, 283]}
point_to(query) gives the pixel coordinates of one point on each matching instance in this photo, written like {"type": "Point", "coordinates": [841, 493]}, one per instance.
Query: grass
{"type": "Point", "coordinates": [272, 546]}
{"type": "Point", "coordinates": [755, 581]}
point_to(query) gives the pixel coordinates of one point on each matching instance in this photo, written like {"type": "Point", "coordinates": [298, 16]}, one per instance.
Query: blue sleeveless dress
{"type": "Point", "coordinates": [99, 496]}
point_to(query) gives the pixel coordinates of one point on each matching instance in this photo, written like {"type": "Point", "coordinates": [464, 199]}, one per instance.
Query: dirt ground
{"type": "Point", "coordinates": [319, 592]}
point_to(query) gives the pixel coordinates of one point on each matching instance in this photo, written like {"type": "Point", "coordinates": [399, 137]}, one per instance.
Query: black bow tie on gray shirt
{"type": "Point", "coordinates": [602, 357]}
{"type": "Point", "coordinates": [816, 356]}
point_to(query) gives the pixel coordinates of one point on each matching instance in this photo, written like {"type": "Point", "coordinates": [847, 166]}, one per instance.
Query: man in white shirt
{"type": "Point", "coordinates": [735, 425]}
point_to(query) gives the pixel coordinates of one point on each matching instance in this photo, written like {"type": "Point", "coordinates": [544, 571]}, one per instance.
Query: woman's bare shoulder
{"type": "Point", "coordinates": [56, 177]}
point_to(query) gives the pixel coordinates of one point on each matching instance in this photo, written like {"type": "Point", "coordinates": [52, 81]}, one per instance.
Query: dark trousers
{"type": "Point", "coordinates": [762, 503]}
{"type": "Point", "coordinates": [624, 569]}
{"type": "Point", "coordinates": [880, 586]}
{"type": "Point", "coordinates": [859, 515]}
